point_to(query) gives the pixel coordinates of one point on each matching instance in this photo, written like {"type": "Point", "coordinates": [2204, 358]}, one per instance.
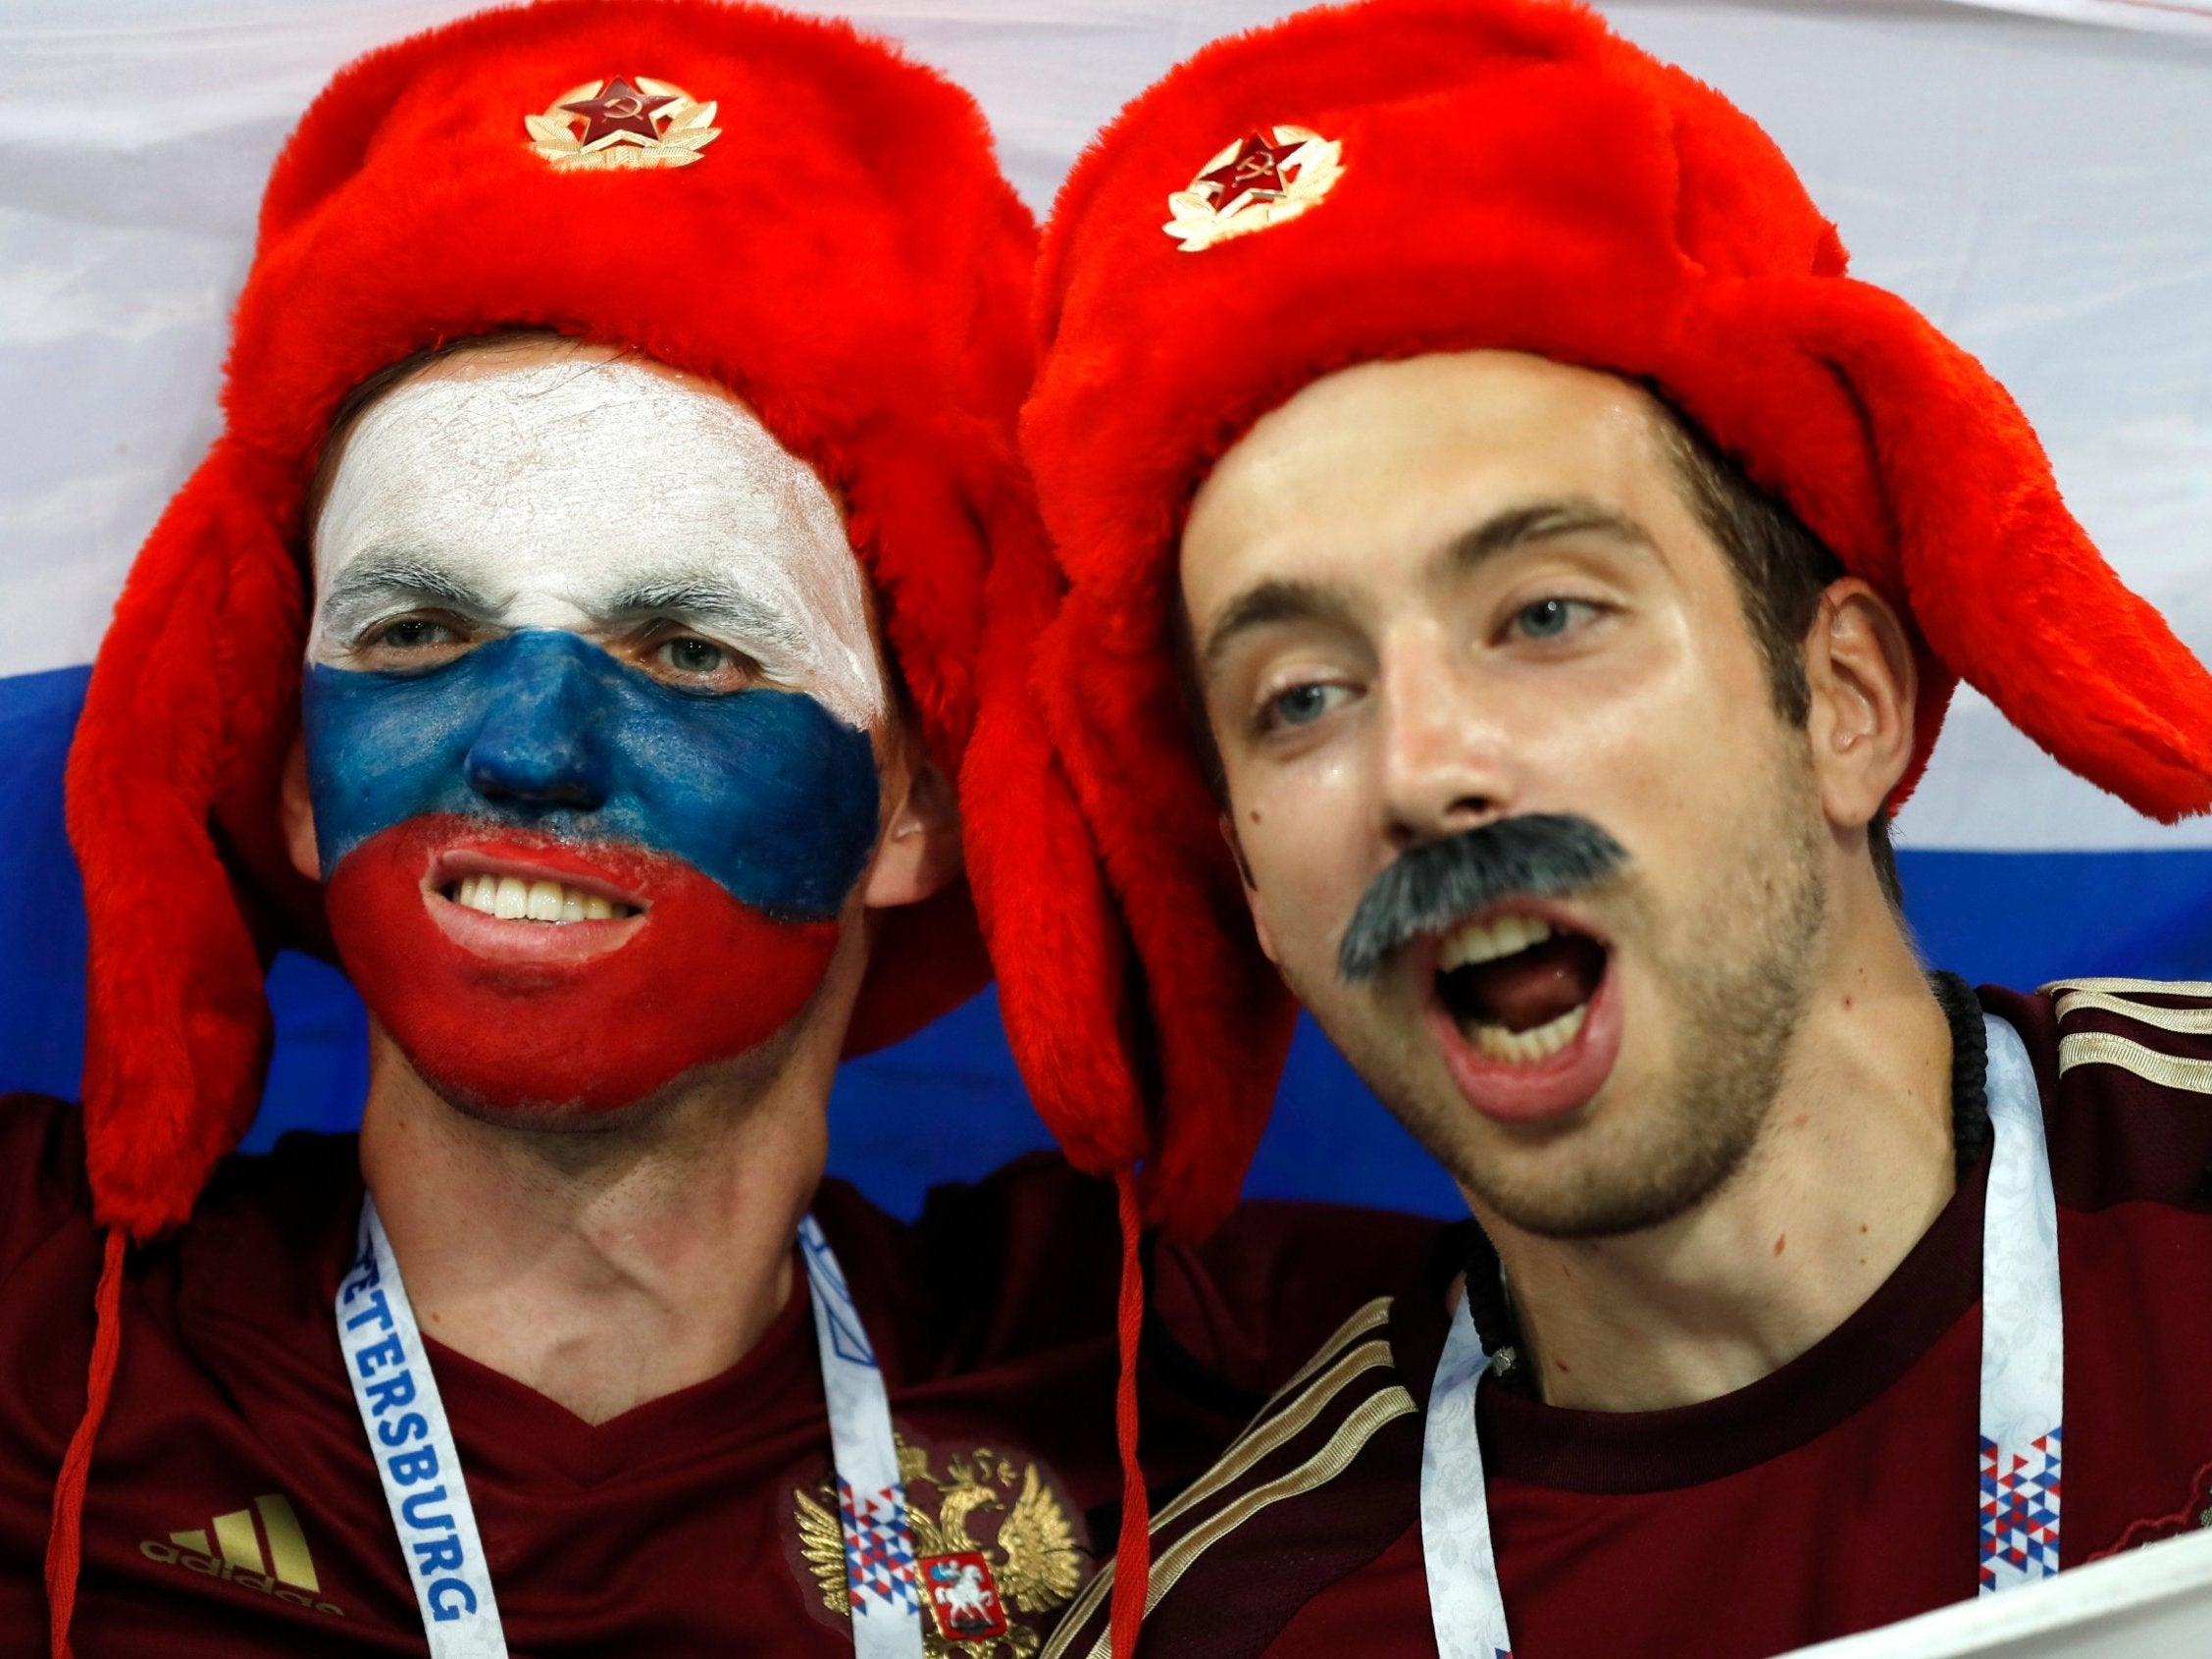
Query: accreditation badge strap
{"type": "Point", "coordinates": [871, 1499]}
{"type": "Point", "coordinates": [2023, 1335]}
{"type": "Point", "coordinates": [413, 1445]}
{"type": "Point", "coordinates": [428, 1495]}
{"type": "Point", "coordinates": [1464, 1603]}
{"type": "Point", "coordinates": [2023, 1390]}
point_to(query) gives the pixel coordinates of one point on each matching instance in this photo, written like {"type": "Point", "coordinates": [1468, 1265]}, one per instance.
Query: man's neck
{"type": "Point", "coordinates": [601, 1266]}
{"type": "Point", "coordinates": [1854, 1163]}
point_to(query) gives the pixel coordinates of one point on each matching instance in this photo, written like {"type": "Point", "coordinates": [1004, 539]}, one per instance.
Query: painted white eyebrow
{"type": "Point", "coordinates": [377, 586]}
{"type": "Point", "coordinates": [374, 587]}
{"type": "Point", "coordinates": [716, 604]}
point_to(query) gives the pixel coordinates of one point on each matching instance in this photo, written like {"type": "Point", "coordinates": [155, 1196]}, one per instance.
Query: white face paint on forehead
{"type": "Point", "coordinates": [590, 495]}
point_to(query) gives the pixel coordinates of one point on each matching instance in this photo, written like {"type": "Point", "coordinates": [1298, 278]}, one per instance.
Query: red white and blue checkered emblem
{"type": "Point", "coordinates": [2020, 1505]}
{"type": "Point", "coordinates": [879, 1550]}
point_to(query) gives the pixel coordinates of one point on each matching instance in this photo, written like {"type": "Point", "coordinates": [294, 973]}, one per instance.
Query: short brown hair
{"type": "Point", "coordinates": [1780, 570]}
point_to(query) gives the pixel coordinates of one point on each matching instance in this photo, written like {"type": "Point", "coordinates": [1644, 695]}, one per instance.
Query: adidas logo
{"type": "Point", "coordinates": [287, 1571]}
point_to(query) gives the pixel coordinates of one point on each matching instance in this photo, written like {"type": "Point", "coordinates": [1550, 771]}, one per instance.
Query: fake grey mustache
{"type": "Point", "coordinates": [1538, 855]}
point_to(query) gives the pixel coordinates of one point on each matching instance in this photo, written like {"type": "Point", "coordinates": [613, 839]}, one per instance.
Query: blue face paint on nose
{"type": "Point", "coordinates": [764, 791]}
{"type": "Point", "coordinates": [541, 741]}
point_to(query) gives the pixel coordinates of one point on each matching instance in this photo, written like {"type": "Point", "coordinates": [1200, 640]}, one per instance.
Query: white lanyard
{"type": "Point", "coordinates": [871, 1500]}
{"type": "Point", "coordinates": [428, 1496]}
{"type": "Point", "coordinates": [2023, 1390]}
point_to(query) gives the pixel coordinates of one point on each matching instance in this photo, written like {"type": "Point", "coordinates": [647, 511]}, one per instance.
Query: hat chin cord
{"type": "Point", "coordinates": [1132, 1556]}
{"type": "Point", "coordinates": [64, 1532]}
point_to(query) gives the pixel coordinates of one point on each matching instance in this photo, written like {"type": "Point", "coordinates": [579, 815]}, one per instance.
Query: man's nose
{"type": "Point", "coordinates": [544, 737]}
{"type": "Point", "coordinates": [1442, 767]}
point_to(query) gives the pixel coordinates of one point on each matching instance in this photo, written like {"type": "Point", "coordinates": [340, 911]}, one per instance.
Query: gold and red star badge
{"type": "Point", "coordinates": [624, 121]}
{"type": "Point", "coordinates": [1263, 178]}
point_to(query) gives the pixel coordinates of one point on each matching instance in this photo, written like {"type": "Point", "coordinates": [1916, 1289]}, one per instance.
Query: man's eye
{"type": "Point", "coordinates": [415, 633]}
{"type": "Point", "coordinates": [688, 655]}
{"type": "Point", "coordinates": [1552, 618]}
{"type": "Point", "coordinates": [693, 664]}
{"type": "Point", "coordinates": [1301, 706]}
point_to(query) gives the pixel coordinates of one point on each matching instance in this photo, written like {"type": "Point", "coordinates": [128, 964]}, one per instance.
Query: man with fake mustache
{"type": "Point", "coordinates": [575, 629]}
{"type": "Point", "coordinates": [1506, 554]}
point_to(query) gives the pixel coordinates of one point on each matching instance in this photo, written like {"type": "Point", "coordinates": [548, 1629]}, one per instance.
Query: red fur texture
{"type": "Point", "coordinates": [1515, 176]}
{"type": "Point", "coordinates": [846, 257]}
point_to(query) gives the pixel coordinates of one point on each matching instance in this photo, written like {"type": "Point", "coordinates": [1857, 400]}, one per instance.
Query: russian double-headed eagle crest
{"type": "Point", "coordinates": [1263, 178]}
{"type": "Point", "coordinates": [973, 1590]}
{"type": "Point", "coordinates": [622, 122]}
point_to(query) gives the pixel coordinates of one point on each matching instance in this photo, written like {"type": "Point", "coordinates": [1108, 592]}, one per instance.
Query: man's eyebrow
{"type": "Point", "coordinates": [1540, 521]}
{"type": "Point", "coordinates": [1266, 604]}
{"type": "Point", "coordinates": [373, 585]}
{"type": "Point", "coordinates": [710, 603]}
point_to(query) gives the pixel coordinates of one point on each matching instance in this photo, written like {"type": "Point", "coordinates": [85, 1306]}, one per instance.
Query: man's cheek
{"type": "Point", "coordinates": [381, 749]}
{"type": "Point", "coordinates": [767, 793]}
{"type": "Point", "coordinates": [1304, 887]}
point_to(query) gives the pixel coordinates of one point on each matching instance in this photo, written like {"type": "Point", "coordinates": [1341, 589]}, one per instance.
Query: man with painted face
{"type": "Point", "coordinates": [537, 784]}
{"type": "Point", "coordinates": [575, 631]}
{"type": "Point", "coordinates": [1507, 555]}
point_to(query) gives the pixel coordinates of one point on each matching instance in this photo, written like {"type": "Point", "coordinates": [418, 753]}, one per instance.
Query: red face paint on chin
{"type": "Point", "coordinates": [515, 1015]}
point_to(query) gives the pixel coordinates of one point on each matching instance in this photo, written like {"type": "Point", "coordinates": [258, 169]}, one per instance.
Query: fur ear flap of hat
{"type": "Point", "coordinates": [1039, 881]}
{"type": "Point", "coordinates": [1920, 471]}
{"type": "Point", "coordinates": [1090, 875]}
{"type": "Point", "coordinates": [176, 760]}
{"type": "Point", "coordinates": [815, 223]}
{"type": "Point", "coordinates": [1462, 175]}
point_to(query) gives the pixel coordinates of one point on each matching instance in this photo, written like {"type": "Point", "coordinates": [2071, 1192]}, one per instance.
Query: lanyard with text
{"type": "Point", "coordinates": [2023, 1357]}
{"type": "Point", "coordinates": [423, 1483]}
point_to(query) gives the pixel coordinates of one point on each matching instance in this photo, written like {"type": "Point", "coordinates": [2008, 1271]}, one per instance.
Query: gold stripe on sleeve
{"type": "Point", "coordinates": [2102, 1048]}
{"type": "Point", "coordinates": [1375, 1313]}
{"type": "Point", "coordinates": [1351, 1437]}
{"type": "Point", "coordinates": [2122, 987]}
{"type": "Point", "coordinates": [1268, 1436]}
{"type": "Point", "coordinates": [1264, 1435]}
{"type": "Point", "coordinates": [2188, 1021]}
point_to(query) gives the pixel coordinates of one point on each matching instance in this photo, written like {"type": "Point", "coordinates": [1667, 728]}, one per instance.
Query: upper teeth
{"type": "Point", "coordinates": [1486, 941]}
{"type": "Point", "coordinates": [512, 899]}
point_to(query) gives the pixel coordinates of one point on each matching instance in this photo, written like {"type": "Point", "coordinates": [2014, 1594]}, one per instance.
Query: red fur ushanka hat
{"type": "Point", "coordinates": [1416, 175]}
{"type": "Point", "coordinates": [777, 204]}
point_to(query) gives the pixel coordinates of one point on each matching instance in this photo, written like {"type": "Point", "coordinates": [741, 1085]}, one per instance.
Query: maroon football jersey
{"type": "Point", "coordinates": [234, 1508]}
{"type": "Point", "coordinates": [1837, 1493]}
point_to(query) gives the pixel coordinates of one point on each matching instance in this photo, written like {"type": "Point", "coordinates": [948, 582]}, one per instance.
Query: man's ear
{"type": "Point", "coordinates": [1250, 893]}
{"type": "Point", "coordinates": [298, 811]}
{"type": "Point", "coordinates": [920, 852]}
{"type": "Point", "coordinates": [1863, 682]}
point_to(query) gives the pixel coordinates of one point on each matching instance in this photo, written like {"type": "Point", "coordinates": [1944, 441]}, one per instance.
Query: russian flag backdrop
{"type": "Point", "coordinates": [2034, 173]}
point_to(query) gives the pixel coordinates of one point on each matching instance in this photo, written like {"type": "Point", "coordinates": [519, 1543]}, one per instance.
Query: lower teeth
{"type": "Point", "coordinates": [1539, 1042]}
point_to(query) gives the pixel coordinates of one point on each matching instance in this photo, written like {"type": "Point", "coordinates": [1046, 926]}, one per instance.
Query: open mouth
{"type": "Point", "coordinates": [511, 898]}
{"type": "Point", "coordinates": [1525, 1013]}
{"type": "Point", "coordinates": [1517, 987]}
{"type": "Point", "coordinates": [528, 903]}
